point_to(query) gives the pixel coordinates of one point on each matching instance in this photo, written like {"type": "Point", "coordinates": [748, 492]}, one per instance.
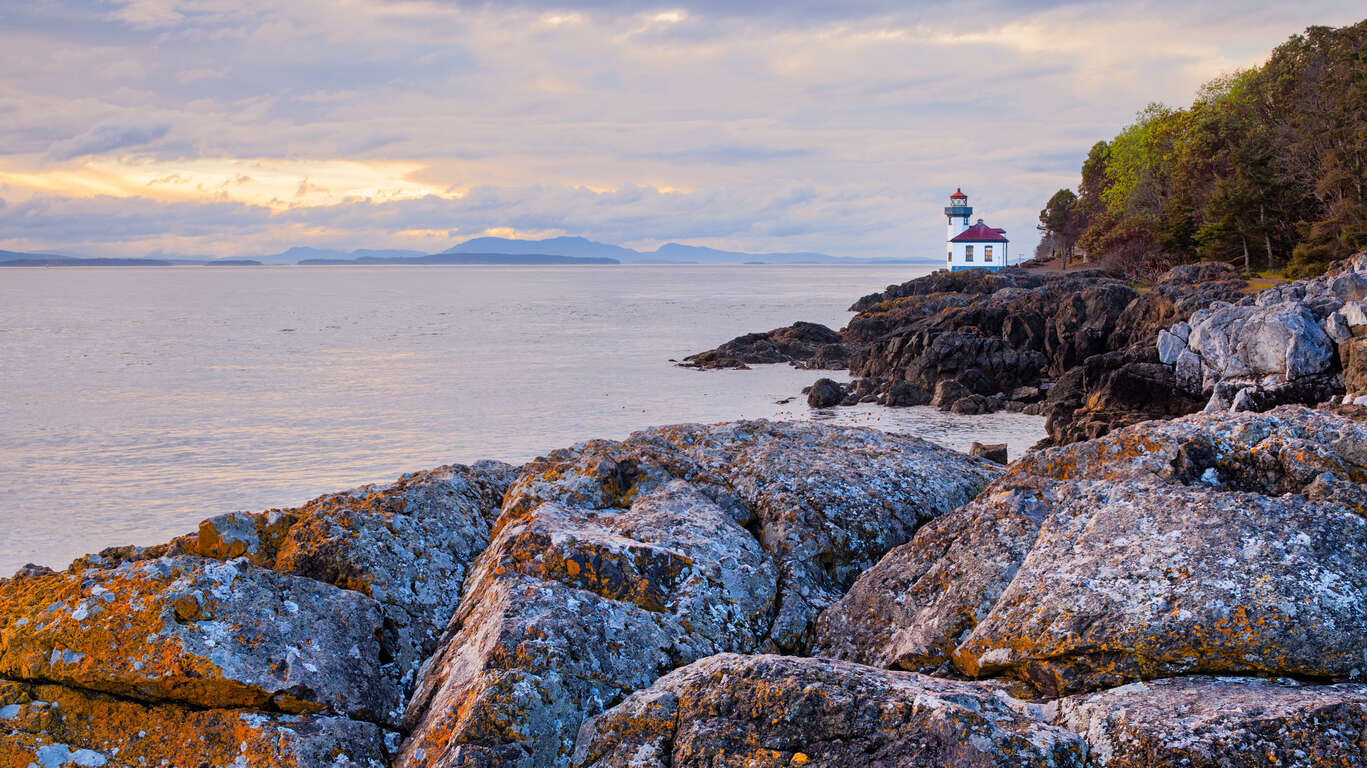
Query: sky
{"type": "Point", "coordinates": [233, 128]}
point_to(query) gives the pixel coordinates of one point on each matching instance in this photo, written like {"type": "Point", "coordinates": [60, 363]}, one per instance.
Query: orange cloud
{"type": "Point", "coordinates": [277, 184]}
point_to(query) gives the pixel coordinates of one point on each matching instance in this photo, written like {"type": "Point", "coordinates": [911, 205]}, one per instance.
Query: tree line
{"type": "Point", "coordinates": [1266, 169]}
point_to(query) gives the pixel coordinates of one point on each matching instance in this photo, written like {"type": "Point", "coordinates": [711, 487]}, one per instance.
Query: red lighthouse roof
{"type": "Point", "coordinates": [980, 233]}
{"type": "Point", "coordinates": [958, 195]}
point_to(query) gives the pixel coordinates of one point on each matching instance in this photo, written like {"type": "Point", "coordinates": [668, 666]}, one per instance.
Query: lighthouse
{"type": "Point", "coordinates": [957, 213]}
{"type": "Point", "coordinates": [971, 246]}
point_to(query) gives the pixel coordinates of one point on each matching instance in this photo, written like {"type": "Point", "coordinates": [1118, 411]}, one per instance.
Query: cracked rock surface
{"type": "Point", "coordinates": [199, 632]}
{"type": "Point", "coordinates": [781, 711]}
{"type": "Point", "coordinates": [614, 563]}
{"type": "Point", "coordinates": [50, 725]}
{"type": "Point", "coordinates": [1225, 544]}
{"type": "Point", "coordinates": [1205, 722]}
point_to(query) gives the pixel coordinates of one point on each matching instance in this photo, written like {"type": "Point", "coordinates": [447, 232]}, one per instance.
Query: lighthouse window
{"type": "Point", "coordinates": [968, 253]}
{"type": "Point", "coordinates": [987, 253]}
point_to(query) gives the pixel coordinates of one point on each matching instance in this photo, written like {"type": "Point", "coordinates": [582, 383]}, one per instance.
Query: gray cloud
{"type": "Point", "coordinates": [135, 226]}
{"type": "Point", "coordinates": [792, 11]}
{"type": "Point", "coordinates": [67, 221]}
{"type": "Point", "coordinates": [733, 154]}
{"type": "Point", "coordinates": [106, 137]}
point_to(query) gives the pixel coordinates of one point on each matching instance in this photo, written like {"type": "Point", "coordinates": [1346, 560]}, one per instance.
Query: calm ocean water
{"type": "Point", "coordinates": [135, 402]}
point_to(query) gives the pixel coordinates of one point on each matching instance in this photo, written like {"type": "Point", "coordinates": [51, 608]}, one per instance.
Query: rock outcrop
{"type": "Point", "coordinates": [295, 636]}
{"type": "Point", "coordinates": [200, 633]}
{"type": "Point", "coordinates": [1292, 343]}
{"type": "Point", "coordinates": [292, 634]}
{"type": "Point", "coordinates": [1107, 354]}
{"type": "Point", "coordinates": [804, 345]}
{"type": "Point", "coordinates": [1208, 722]}
{"type": "Point", "coordinates": [614, 563]}
{"type": "Point", "coordinates": [780, 711]}
{"type": "Point", "coordinates": [1208, 544]}
{"type": "Point", "coordinates": [621, 603]}
{"type": "Point", "coordinates": [1085, 338]}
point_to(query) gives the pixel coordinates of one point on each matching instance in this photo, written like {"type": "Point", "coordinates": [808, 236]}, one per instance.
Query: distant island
{"type": "Point", "coordinates": [465, 258]}
{"type": "Point", "coordinates": [67, 261]}
{"type": "Point", "coordinates": [22, 259]}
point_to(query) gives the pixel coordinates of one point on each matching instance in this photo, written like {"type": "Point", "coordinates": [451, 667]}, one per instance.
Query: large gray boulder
{"type": "Point", "coordinates": [1283, 345]}
{"type": "Point", "coordinates": [1211, 722]}
{"type": "Point", "coordinates": [200, 633]}
{"type": "Point", "coordinates": [569, 610]}
{"type": "Point", "coordinates": [614, 563]}
{"type": "Point", "coordinates": [407, 544]}
{"type": "Point", "coordinates": [1224, 544]}
{"type": "Point", "coordinates": [825, 502]}
{"type": "Point", "coordinates": [1128, 583]}
{"type": "Point", "coordinates": [1284, 342]}
{"type": "Point", "coordinates": [281, 638]}
{"type": "Point", "coordinates": [775, 711]}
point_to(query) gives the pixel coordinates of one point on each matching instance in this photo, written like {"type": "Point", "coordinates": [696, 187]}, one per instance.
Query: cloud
{"type": "Point", "coordinates": [793, 11]}
{"type": "Point", "coordinates": [107, 137]}
{"type": "Point", "coordinates": [66, 221]}
{"type": "Point", "coordinates": [147, 14]}
{"type": "Point", "coordinates": [733, 123]}
{"type": "Point", "coordinates": [733, 154]}
{"type": "Point", "coordinates": [135, 226]}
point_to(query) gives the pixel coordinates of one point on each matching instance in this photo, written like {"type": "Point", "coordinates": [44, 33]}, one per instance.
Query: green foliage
{"type": "Point", "coordinates": [1061, 222]}
{"type": "Point", "coordinates": [1267, 168]}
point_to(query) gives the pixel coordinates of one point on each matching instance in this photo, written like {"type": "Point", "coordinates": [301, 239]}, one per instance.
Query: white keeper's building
{"type": "Point", "coordinates": [972, 247]}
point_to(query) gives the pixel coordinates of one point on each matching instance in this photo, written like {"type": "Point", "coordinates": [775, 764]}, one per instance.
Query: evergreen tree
{"type": "Point", "coordinates": [1266, 166]}
{"type": "Point", "coordinates": [1060, 222]}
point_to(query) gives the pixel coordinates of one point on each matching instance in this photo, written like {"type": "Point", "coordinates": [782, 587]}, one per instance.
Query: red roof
{"type": "Point", "coordinates": [958, 195]}
{"type": "Point", "coordinates": [980, 233]}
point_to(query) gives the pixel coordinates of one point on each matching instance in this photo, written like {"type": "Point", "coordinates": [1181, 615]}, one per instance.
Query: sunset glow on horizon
{"type": "Point", "coordinates": [234, 129]}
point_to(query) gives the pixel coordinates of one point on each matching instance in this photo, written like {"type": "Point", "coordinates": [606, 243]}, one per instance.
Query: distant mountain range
{"type": "Point", "coordinates": [467, 258]}
{"type": "Point", "coordinates": [478, 250]}
{"type": "Point", "coordinates": [669, 253]}
{"type": "Point", "coordinates": [557, 250]}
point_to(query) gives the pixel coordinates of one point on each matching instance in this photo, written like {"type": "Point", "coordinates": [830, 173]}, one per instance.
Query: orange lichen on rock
{"type": "Point", "coordinates": [613, 563]}
{"type": "Point", "coordinates": [1215, 544]}
{"type": "Point", "coordinates": [1258, 585]}
{"type": "Point", "coordinates": [1208, 721]}
{"type": "Point", "coordinates": [601, 562]}
{"type": "Point", "coordinates": [1224, 544]}
{"type": "Point", "coordinates": [55, 725]}
{"type": "Point", "coordinates": [200, 632]}
{"type": "Point", "coordinates": [781, 711]}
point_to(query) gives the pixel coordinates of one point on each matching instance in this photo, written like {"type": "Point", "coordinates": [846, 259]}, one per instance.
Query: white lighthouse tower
{"type": "Point", "coordinates": [957, 213]}
{"type": "Point", "coordinates": [975, 246]}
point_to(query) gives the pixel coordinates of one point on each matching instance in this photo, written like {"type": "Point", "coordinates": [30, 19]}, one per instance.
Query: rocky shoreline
{"type": "Point", "coordinates": [1188, 591]}
{"type": "Point", "coordinates": [1091, 352]}
{"type": "Point", "coordinates": [1182, 592]}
